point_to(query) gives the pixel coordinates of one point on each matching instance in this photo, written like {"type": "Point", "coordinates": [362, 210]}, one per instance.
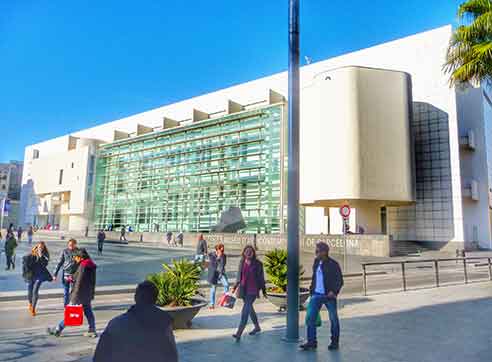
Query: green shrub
{"type": "Point", "coordinates": [177, 284]}
{"type": "Point", "coordinates": [276, 269]}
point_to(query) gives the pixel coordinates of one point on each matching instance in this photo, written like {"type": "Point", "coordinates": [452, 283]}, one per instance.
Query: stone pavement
{"type": "Point", "coordinates": [119, 265]}
{"type": "Point", "coordinates": [446, 324]}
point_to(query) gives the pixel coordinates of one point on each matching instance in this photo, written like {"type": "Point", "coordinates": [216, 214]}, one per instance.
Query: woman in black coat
{"type": "Point", "coordinates": [35, 272]}
{"type": "Point", "coordinates": [250, 280]}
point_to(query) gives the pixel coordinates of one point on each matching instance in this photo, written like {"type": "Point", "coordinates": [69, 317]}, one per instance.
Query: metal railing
{"type": "Point", "coordinates": [436, 262]}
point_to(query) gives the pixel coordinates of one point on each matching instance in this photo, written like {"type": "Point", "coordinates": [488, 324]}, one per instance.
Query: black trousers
{"type": "Point", "coordinates": [248, 311]}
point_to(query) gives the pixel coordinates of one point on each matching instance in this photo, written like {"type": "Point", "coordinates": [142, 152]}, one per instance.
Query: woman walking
{"type": "Point", "coordinates": [216, 272]}
{"type": "Point", "coordinates": [35, 272]}
{"type": "Point", "coordinates": [250, 280]}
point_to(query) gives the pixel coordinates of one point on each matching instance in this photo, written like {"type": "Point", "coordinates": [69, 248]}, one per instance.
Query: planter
{"type": "Point", "coordinates": [183, 316]}
{"type": "Point", "coordinates": [280, 299]}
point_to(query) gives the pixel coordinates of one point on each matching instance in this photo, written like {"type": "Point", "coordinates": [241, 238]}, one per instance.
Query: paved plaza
{"type": "Point", "coordinates": [426, 325]}
{"type": "Point", "coordinates": [119, 264]}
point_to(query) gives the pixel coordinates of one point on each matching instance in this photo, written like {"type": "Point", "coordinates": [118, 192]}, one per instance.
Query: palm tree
{"type": "Point", "coordinates": [469, 56]}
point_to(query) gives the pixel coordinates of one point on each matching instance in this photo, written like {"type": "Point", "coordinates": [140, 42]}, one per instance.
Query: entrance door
{"type": "Point", "coordinates": [383, 221]}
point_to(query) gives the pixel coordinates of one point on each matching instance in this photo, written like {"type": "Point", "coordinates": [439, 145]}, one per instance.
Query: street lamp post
{"type": "Point", "coordinates": [293, 177]}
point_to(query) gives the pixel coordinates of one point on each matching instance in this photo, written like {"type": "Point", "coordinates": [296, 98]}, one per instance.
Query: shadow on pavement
{"type": "Point", "coordinates": [452, 332]}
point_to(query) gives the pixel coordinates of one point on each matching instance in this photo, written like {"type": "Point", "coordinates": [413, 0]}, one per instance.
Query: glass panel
{"type": "Point", "coordinates": [183, 179]}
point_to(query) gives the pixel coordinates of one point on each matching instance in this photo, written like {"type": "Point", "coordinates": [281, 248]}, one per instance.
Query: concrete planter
{"type": "Point", "coordinates": [280, 299]}
{"type": "Point", "coordinates": [183, 316]}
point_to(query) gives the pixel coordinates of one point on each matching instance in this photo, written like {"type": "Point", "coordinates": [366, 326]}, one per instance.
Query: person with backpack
{"type": "Point", "coordinates": [179, 238]}
{"type": "Point", "coordinates": [10, 246]}
{"type": "Point", "coordinates": [82, 292]}
{"type": "Point", "coordinates": [68, 266]}
{"type": "Point", "coordinates": [35, 272]}
{"type": "Point", "coordinates": [216, 272]}
{"type": "Point", "coordinates": [169, 238]}
{"type": "Point", "coordinates": [249, 281]}
{"type": "Point", "coordinates": [101, 236]}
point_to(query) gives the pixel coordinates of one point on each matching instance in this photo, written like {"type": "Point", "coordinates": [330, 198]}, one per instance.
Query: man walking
{"type": "Point", "coordinates": [326, 283]}
{"type": "Point", "coordinates": [143, 333]}
{"type": "Point", "coordinates": [83, 292]}
{"type": "Point", "coordinates": [169, 237]}
{"type": "Point", "coordinates": [68, 266]}
{"type": "Point", "coordinates": [10, 246]}
{"type": "Point", "coordinates": [179, 238]}
{"type": "Point", "coordinates": [101, 236]}
{"type": "Point", "coordinates": [30, 233]}
{"type": "Point", "coordinates": [122, 233]}
{"type": "Point", "coordinates": [19, 233]}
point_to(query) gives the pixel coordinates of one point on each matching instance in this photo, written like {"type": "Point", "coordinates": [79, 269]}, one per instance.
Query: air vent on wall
{"type": "Point", "coordinates": [471, 190]}
{"type": "Point", "coordinates": [468, 141]}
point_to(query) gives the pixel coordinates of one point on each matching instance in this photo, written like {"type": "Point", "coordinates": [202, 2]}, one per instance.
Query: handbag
{"type": "Point", "coordinates": [74, 315]}
{"type": "Point", "coordinates": [308, 315]}
{"type": "Point", "coordinates": [227, 301]}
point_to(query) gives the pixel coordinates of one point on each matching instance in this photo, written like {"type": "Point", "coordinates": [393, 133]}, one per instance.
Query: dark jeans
{"type": "Point", "coordinates": [248, 311]}
{"type": "Point", "coordinates": [10, 261]}
{"type": "Point", "coordinates": [33, 291]}
{"type": "Point", "coordinates": [317, 301]}
{"type": "Point", "coordinates": [89, 315]}
{"type": "Point", "coordinates": [66, 290]}
{"type": "Point", "coordinates": [100, 245]}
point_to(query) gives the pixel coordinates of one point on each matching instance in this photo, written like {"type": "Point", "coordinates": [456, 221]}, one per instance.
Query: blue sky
{"type": "Point", "coordinates": [69, 65]}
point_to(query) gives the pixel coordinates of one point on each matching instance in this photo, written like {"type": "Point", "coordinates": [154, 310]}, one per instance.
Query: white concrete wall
{"type": "Point", "coordinates": [420, 55]}
{"type": "Point", "coordinates": [471, 109]}
{"type": "Point", "coordinates": [318, 222]}
{"type": "Point", "coordinates": [41, 182]}
{"type": "Point", "coordinates": [355, 138]}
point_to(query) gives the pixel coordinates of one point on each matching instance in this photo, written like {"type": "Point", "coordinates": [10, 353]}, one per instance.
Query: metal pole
{"type": "Point", "coordinates": [2, 205]}
{"type": "Point", "coordinates": [404, 279]}
{"type": "Point", "coordinates": [364, 279]}
{"type": "Point", "coordinates": [293, 178]}
{"type": "Point", "coordinates": [436, 267]}
{"type": "Point", "coordinates": [490, 269]}
{"type": "Point", "coordinates": [465, 271]}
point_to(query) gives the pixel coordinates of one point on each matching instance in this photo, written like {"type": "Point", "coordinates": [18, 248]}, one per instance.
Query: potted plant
{"type": "Point", "coordinates": [178, 286]}
{"type": "Point", "coordinates": [276, 270]}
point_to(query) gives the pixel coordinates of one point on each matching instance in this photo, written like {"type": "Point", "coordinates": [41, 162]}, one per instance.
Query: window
{"type": "Point", "coordinates": [60, 178]}
{"type": "Point", "coordinates": [72, 164]}
{"type": "Point", "coordinates": [35, 154]}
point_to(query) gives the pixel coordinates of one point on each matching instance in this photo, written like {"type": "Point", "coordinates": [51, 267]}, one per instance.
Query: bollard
{"type": "Point", "coordinates": [403, 276]}
{"type": "Point", "coordinates": [465, 271]}
{"type": "Point", "coordinates": [490, 269]}
{"type": "Point", "coordinates": [364, 281]}
{"type": "Point", "coordinates": [436, 267]}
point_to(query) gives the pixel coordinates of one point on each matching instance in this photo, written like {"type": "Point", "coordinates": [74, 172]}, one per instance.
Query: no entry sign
{"type": "Point", "coordinates": [345, 211]}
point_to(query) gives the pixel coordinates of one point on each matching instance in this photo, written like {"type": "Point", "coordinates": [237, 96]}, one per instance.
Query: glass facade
{"type": "Point", "coordinates": [183, 178]}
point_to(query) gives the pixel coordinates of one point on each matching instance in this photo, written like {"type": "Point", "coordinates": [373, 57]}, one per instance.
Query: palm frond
{"type": "Point", "coordinates": [474, 8]}
{"type": "Point", "coordinates": [469, 55]}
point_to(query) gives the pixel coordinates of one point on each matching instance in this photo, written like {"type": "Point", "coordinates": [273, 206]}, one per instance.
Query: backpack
{"type": "Point", "coordinates": [27, 267]}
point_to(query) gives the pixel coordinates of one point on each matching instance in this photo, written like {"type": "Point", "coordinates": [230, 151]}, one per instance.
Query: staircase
{"type": "Point", "coordinates": [407, 248]}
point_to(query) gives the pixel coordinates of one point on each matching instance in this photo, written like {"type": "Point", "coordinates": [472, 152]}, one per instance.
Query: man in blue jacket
{"type": "Point", "coordinates": [326, 283]}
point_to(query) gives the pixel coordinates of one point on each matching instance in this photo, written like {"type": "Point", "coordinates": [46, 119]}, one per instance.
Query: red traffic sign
{"type": "Point", "coordinates": [345, 211]}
